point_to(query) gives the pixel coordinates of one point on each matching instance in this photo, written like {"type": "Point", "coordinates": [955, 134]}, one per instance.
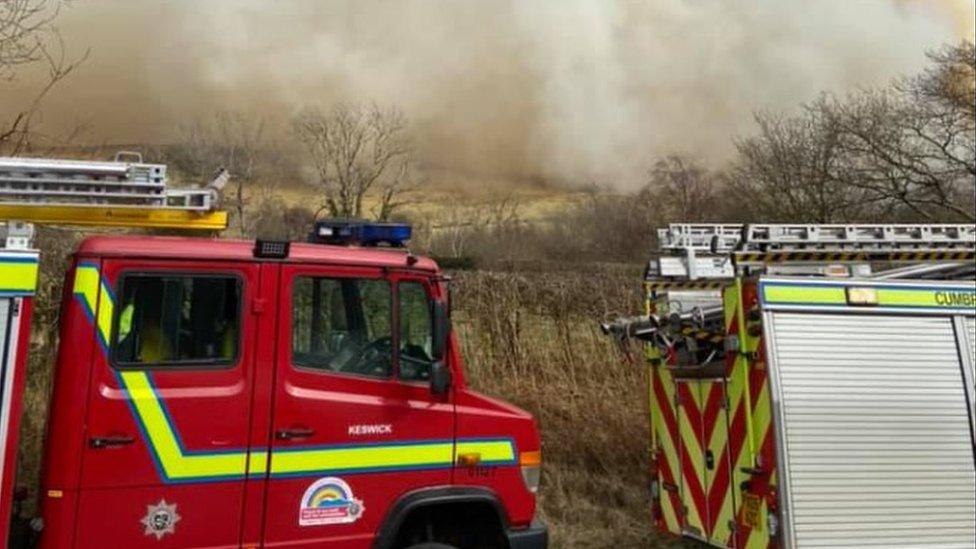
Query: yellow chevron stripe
{"type": "Point", "coordinates": [669, 452]}
{"type": "Point", "coordinates": [722, 529]}
{"type": "Point", "coordinates": [718, 444]}
{"type": "Point", "coordinates": [177, 464]}
{"type": "Point", "coordinates": [671, 521]}
{"type": "Point", "coordinates": [695, 455]}
{"type": "Point", "coordinates": [720, 434]}
{"type": "Point", "coordinates": [762, 415]}
{"type": "Point", "coordinates": [696, 391]}
{"type": "Point", "coordinates": [103, 318]}
{"type": "Point", "coordinates": [86, 286]}
{"type": "Point", "coordinates": [668, 444]}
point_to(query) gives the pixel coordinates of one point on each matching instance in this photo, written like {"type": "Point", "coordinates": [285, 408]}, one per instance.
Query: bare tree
{"type": "Point", "coordinates": [793, 170]}
{"type": "Point", "coordinates": [684, 190]}
{"type": "Point", "coordinates": [28, 37]}
{"type": "Point", "coordinates": [950, 81]}
{"type": "Point", "coordinates": [914, 145]}
{"type": "Point", "coordinates": [353, 149]}
{"type": "Point", "coordinates": [604, 226]}
{"type": "Point", "coordinates": [457, 230]}
{"type": "Point", "coordinates": [232, 140]}
{"type": "Point", "coordinates": [393, 191]}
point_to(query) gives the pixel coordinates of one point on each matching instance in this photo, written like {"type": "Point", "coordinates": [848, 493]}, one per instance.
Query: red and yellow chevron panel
{"type": "Point", "coordinates": [665, 425]}
{"type": "Point", "coordinates": [712, 442]}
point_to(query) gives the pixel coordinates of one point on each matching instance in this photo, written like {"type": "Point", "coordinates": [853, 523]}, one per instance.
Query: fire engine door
{"type": "Point", "coordinates": [354, 424]}
{"type": "Point", "coordinates": [705, 464]}
{"type": "Point", "coordinates": [166, 441]}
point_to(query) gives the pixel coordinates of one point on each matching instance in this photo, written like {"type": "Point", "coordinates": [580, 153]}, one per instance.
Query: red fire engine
{"type": "Point", "coordinates": [237, 393]}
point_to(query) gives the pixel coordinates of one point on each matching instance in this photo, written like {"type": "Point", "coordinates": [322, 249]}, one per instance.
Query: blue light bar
{"type": "Point", "coordinates": [345, 232]}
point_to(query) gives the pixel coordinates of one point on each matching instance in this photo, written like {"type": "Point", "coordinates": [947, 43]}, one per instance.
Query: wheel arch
{"type": "Point", "coordinates": [429, 497]}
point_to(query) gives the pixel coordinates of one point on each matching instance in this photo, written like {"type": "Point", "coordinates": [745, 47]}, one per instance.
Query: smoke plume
{"type": "Point", "coordinates": [578, 90]}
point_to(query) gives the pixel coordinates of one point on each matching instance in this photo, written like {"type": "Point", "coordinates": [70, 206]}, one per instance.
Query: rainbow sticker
{"type": "Point", "coordinates": [329, 500]}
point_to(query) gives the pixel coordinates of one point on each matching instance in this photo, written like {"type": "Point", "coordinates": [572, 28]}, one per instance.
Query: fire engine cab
{"type": "Point", "coordinates": [228, 393]}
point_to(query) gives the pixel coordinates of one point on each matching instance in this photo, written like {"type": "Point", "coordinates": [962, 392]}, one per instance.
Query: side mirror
{"type": "Point", "coordinates": [440, 378]}
{"type": "Point", "coordinates": [441, 331]}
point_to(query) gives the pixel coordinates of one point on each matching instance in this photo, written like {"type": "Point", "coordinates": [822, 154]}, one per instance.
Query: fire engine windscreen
{"type": "Point", "coordinates": [167, 319]}
{"type": "Point", "coordinates": [342, 325]}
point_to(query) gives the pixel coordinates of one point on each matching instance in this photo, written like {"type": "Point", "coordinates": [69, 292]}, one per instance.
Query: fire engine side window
{"type": "Point", "coordinates": [177, 320]}
{"type": "Point", "coordinates": [342, 325]}
{"type": "Point", "coordinates": [416, 327]}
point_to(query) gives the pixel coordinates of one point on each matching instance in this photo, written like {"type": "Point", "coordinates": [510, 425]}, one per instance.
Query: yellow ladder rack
{"type": "Point", "coordinates": [124, 192]}
{"type": "Point", "coordinates": [108, 216]}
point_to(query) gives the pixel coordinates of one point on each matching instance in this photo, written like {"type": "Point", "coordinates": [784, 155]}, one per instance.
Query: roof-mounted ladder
{"type": "Point", "coordinates": [125, 192]}
{"type": "Point", "coordinates": [694, 252]}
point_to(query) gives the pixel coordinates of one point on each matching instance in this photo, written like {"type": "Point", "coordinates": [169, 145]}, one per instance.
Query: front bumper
{"type": "Point", "coordinates": [536, 536]}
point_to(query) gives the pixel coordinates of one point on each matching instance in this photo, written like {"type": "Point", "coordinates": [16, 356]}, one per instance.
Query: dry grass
{"type": "Point", "coordinates": [532, 338]}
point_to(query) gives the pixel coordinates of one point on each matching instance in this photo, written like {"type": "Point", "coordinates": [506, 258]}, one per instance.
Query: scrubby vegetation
{"type": "Point", "coordinates": [532, 338]}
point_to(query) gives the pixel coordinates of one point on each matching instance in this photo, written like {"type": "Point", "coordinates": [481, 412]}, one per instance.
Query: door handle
{"type": "Point", "coordinates": [98, 443]}
{"type": "Point", "coordinates": [294, 433]}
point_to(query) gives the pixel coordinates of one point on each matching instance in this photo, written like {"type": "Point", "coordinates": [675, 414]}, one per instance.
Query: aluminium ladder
{"type": "Point", "coordinates": [726, 238]}
{"type": "Point", "coordinates": [125, 192]}
{"type": "Point", "coordinates": [718, 251]}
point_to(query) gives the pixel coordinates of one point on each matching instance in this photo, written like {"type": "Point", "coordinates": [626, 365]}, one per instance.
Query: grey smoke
{"type": "Point", "coordinates": [575, 89]}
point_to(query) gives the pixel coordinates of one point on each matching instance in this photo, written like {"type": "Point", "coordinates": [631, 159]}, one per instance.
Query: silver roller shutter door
{"type": "Point", "coordinates": [877, 432]}
{"type": "Point", "coordinates": [971, 330]}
